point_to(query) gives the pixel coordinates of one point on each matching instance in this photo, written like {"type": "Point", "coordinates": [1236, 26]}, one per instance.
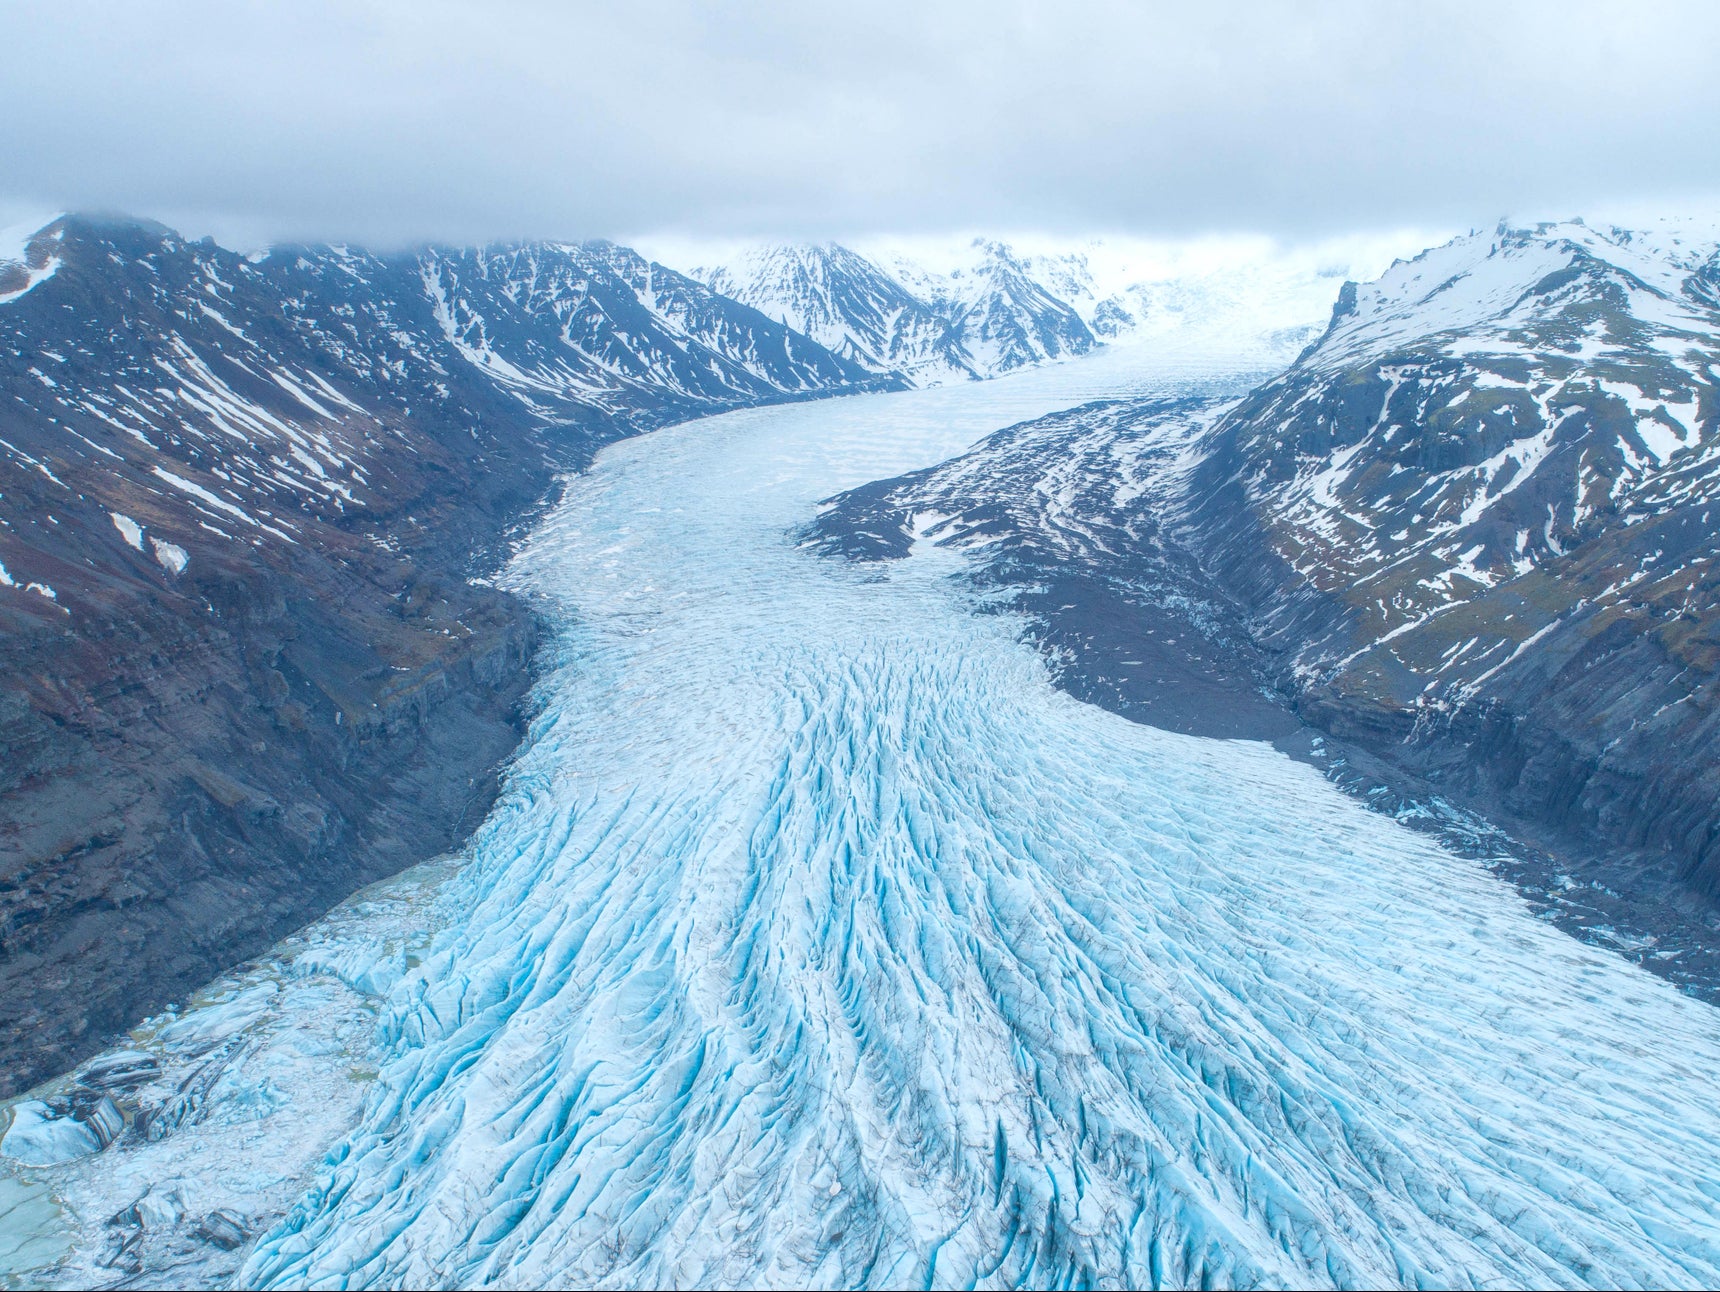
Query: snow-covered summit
{"type": "Point", "coordinates": [1534, 387]}
{"type": "Point", "coordinates": [943, 308]}
{"type": "Point", "coordinates": [976, 315]}
{"type": "Point", "coordinates": [1244, 295]}
{"type": "Point", "coordinates": [1506, 290]}
{"type": "Point", "coordinates": [848, 305]}
{"type": "Point", "coordinates": [1007, 316]}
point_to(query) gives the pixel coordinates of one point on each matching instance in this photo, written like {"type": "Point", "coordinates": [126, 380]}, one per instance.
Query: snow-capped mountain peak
{"type": "Point", "coordinates": [938, 309]}
{"type": "Point", "coordinates": [1010, 319]}
{"type": "Point", "coordinates": [29, 256]}
{"type": "Point", "coordinates": [1513, 288]}
{"type": "Point", "coordinates": [848, 305]}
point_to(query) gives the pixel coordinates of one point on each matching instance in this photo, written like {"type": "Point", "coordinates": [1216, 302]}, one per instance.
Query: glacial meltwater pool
{"type": "Point", "coordinates": [818, 940]}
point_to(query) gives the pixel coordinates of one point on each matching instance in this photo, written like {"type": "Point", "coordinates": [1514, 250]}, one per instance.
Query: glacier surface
{"type": "Point", "coordinates": [818, 940]}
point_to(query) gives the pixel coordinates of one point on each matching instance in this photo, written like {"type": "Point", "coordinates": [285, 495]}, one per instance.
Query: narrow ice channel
{"type": "Point", "coordinates": [819, 941]}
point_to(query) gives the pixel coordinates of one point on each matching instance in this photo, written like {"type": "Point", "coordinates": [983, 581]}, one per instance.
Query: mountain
{"type": "Point", "coordinates": [1235, 293]}
{"type": "Point", "coordinates": [596, 325]}
{"type": "Point", "coordinates": [1468, 533]}
{"type": "Point", "coordinates": [241, 502]}
{"type": "Point", "coordinates": [946, 309]}
{"type": "Point", "coordinates": [1005, 317]}
{"type": "Point", "coordinates": [814, 943]}
{"type": "Point", "coordinates": [977, 314]}
{"type": "Point", "coordinates": [848, 305]}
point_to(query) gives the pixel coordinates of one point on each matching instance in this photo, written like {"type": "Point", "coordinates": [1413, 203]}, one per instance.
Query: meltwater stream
{"type": "Point", "coordinates": [819, 941]}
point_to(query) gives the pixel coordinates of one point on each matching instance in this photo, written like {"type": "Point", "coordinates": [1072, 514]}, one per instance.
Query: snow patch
{"type": "Point", "coordinates": [171, 556]}
{"type": "Point", "coordinates": [129, 529]}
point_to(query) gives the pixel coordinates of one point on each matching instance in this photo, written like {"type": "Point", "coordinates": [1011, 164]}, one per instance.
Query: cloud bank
{"type": "Point", "coordinates": [390, 122]}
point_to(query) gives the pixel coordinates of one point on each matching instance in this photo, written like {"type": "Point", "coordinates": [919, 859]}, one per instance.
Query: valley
{"type": "Point", "coordinates": [910, 795]}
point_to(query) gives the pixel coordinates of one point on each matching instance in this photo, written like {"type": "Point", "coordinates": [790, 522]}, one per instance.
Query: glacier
{"type": "Point", "coordinates": [818, 940]}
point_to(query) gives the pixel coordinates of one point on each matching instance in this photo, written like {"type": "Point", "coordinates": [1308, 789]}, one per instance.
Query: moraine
{"type": "Point", "coordinates": [817, 939]}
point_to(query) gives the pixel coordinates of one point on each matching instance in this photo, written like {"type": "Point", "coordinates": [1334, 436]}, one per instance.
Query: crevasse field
{"type": "Point", "coordinates": [819, 941]}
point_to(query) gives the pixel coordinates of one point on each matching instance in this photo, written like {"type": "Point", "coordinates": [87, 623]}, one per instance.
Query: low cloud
{"type": "Point", "coordinates": [390, 122]}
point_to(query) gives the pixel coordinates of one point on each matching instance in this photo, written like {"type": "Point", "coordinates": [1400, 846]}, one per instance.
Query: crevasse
{"type": "Point", "coordinates": [818, 940]}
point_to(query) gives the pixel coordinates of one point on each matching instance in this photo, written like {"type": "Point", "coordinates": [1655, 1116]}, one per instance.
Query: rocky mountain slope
{"type": "Point", "coordinates": [1470, 532]}
{"type": "Point", "coordinates": [1003, 314]}
{"type": "Point", "coordinates": [981, 316]}
{"type": "Point", "coordinates": [848, 305]}
{"type": "Point", "coordinates": [943, 310]}
{"type": "Point", "coordinates": [240, 499]}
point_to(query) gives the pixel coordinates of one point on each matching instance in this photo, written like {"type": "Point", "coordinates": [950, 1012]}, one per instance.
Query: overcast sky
{"type": "Point", "coordinates": [388, 122]}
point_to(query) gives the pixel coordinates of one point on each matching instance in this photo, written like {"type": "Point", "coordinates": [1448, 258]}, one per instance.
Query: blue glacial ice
{"type": "Point", "coordinates": [819, 941]}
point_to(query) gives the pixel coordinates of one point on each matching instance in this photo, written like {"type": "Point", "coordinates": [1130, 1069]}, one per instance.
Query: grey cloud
{"type": "Point", "coordinates": [386, 122]}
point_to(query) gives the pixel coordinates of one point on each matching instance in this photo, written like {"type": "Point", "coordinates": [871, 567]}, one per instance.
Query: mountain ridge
{"type": "Point", "coordinates": [1467, 533]}
{"type": "Point", "coordinates": [1254, 298]}
{"type": "Point", "coordinates": [242, 499]}
{"type": "Point", "coordinates": [850, 306]}
{"type": "Point", "coordinates": [974, 321]}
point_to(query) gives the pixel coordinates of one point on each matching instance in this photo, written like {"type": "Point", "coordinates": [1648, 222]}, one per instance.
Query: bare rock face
{"type": "Point", "coordinates": [242, 504]}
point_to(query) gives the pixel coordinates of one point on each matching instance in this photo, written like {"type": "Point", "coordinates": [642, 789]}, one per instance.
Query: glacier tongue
{"type": "Point", "coordinates": [819, 941]}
